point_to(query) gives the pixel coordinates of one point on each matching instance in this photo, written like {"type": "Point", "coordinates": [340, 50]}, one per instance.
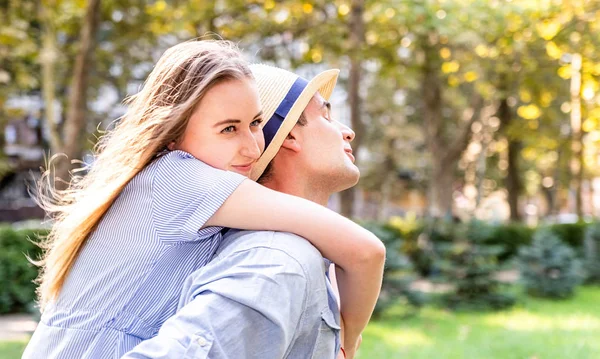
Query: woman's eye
{"type": "Point", "coordinates": [228, 129]}
{"type": "Point", "coordinates": [256, 122]}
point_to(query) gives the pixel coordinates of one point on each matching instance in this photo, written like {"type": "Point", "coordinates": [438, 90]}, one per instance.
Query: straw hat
{"type": "Point", "coordinates": [284, 96]}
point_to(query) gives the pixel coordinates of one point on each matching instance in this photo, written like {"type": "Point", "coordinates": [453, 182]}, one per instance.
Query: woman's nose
{"type": "Point", "coordinates": [252, 145]}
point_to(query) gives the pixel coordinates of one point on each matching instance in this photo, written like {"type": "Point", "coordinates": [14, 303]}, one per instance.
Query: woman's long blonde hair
{"type": "Point", "coordinates": [156, 116]}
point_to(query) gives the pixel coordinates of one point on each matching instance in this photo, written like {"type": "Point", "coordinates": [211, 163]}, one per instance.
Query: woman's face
{"type": "Point", "coordinates": [225, 129]}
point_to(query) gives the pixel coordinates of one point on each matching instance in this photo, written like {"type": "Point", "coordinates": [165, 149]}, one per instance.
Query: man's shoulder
{"type": "Point", "coordinates": [292, 245]}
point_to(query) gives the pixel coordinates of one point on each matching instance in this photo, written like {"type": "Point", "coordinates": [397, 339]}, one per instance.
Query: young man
{"type": "Point", "coordinates": [266, 295]}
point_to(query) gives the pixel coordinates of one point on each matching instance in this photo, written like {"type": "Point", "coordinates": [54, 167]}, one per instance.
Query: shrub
{"type": "Point", "coordinates": [398, 274]}
{"type": "Point", "coordinates": [410, 229]}
{"type": "Point", "coordinates": [420, 237]}
{"type": "Point", "coordinates": [420, 246]}
{"type": "Point", "coordinates": [16, 273]}
{"type": "Point", "coordinates": [511, 236]}
{"type": "Point", "coordinates": [570, 233]}
{"type": "Point", "coordinates": [592, 253]}
{"type": "Point", "coordinates": [470, 265]}
{"type": "Point", "coordinates": [549, 268]}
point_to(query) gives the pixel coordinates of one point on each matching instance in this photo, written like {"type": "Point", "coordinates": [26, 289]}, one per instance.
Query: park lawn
{"type": "Point", "coordinates": [534, 329]}
{"type": "Point", "coordinates": [12, 349]}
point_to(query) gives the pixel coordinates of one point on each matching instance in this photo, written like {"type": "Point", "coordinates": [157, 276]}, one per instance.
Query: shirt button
{"type": "Point", "coordinates": [202, 342]}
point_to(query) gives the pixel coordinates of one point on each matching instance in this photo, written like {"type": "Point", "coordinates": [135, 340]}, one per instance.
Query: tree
{"type": "Point", "coordinates": [63, 40]}
{"type": "Point", "coordinates": [357, 34]}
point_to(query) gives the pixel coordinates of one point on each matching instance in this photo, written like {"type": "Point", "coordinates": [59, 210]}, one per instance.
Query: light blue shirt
{"type": "Point", "coordinates": [127, 279]}
{"type": "Point", "coordinates": [265, 295]}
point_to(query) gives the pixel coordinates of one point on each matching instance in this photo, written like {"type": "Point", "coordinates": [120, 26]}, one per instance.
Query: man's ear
{"type": "Point", "coordinates": [292, 141]}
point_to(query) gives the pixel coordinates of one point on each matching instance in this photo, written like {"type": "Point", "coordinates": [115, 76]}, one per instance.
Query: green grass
{"type": "Point", "coordinates": [12, 350]}
{"type": "Point", "coordinates": [534, 329]}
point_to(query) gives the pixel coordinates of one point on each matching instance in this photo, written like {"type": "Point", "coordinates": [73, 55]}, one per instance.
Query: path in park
{"type": "Point", "coordinates": [16, 327]}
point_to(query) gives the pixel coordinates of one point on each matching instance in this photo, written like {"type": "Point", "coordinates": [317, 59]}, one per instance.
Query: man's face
{"type": "Point", "coordinates": [326, 150]}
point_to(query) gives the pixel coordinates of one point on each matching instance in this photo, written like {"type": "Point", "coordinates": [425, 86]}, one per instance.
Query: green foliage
{"type": "Point", "coordinates": [469, 265]}
{"type": "Point", "coordinates": [570, 233]}
{"type": "Point", "coordinates": [422, 244]}
{"type": "Point", "coordinates": [398, 272]}
{"type": "Point", "coordinates": [16, 273]}
{"type": "Point", "coordinates": [549, 268]}
{"type": "Point", "coordinates": [592, 253]}
{"type": "Point", "coordinates": [509, 237]}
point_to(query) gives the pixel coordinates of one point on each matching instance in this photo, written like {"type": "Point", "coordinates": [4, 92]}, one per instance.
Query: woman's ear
{"type": "Point", "coordinates": [171, 146]}
{"type": "Point", "coordinates": [292, 142]}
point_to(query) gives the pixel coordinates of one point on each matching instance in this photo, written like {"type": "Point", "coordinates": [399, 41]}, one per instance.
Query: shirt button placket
{"type": "Point", "coordinates": [201, 341]}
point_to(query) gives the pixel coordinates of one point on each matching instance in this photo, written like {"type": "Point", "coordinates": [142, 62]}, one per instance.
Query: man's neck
{"type": "Point", "coordinates": [299, 188]}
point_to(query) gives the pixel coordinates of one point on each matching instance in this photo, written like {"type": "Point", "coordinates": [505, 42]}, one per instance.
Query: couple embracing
{"type": "Point", "coordinates": [201, 230]}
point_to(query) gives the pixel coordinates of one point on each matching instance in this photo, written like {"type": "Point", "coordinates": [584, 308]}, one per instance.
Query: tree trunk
{"type": "Point", "coordinates": [513, 180]}
{"type": "Point", "coordinates": [74, 127]}
{"type": "Point", "coordinates": [554, 191]}
{"type": "Point", "coordinates": [445, 153]}
{"type": "Point", "coordinates": [48, 57]}
{"type": "Point", "coordinates": [440, 190]}
{"type": "Point", "coordinates": [576, 164]}
{"type": "Point", "coordinates": [389, 177]}
{"type": "Point", "coordinates": [431, 93]}
{"type": "Point", "coordinates": [356, 39]}
{"type": "Point", "coordinates": [480, 169]}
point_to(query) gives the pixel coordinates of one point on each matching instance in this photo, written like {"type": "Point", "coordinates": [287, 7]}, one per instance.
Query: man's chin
{"type": "Point", "coordinates": [356, 177]}
{"type": "Point", "coordinates": [349, 179]}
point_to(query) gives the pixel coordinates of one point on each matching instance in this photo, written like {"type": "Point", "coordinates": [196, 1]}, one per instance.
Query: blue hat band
{"type": "Point", "coordinates": [275, 122]}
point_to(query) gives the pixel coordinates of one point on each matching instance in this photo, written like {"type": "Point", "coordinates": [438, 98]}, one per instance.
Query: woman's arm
{"type": "Point", "coordinates": [358, 254]}
{"type": "Point", "coordinates": [349, 349]}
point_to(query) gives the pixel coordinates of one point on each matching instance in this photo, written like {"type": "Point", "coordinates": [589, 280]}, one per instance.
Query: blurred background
{"type": "Point", "coordinates": [477, 132]}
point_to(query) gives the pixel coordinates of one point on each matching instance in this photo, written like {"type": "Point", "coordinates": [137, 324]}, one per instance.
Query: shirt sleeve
{"type": "Point", "coordinates": [247, 304]}
{"type": "Point", "coordinates": [186, 192]}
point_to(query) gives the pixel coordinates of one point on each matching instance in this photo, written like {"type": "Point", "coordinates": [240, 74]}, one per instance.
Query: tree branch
{"type": "Point", "coordinates": [456, 148]}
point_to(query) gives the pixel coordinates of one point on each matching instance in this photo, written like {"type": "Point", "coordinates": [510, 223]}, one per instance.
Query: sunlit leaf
{"type": "Point", "coordinates": [529, 112]}
{"type": "Point", "coordinates": [547, 29]}
{"type": "Point", "coordinates": [564, 72]}
{"type": "Point", "coordinates": [450, 67]}
{"type": "Point", "coordinates": [552, 50]}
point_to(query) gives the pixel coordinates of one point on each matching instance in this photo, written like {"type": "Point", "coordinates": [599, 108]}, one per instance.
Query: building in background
{"type": "Point", "coordinates": [23, 156]}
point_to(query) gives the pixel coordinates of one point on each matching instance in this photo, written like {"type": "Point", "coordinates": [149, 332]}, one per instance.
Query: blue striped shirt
{"type": "Point", "coordinates": [265, 295]}
{"type": "Point", "coordinates": [128, 276]}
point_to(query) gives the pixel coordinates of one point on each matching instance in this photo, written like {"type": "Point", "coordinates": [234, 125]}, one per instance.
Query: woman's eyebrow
{"type": "Point", "coordinates": [226, 122]}
{"type": "Point", "coordinates": [231, 121]}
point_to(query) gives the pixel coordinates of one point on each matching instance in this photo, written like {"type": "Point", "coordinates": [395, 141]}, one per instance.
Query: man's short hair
{"type": "Point", "coordinates": [266, 175]}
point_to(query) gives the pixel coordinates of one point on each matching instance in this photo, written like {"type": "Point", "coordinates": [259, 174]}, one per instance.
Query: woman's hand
{"type": "Point", "coordinates": [351, 353]}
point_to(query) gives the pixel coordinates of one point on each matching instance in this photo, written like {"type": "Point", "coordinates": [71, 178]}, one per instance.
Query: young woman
{"type": "Point", "coordinates": [127, 234]}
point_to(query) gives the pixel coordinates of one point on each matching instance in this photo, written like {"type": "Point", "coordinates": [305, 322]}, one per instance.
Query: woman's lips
{"type": "Point", "coordinates": [243, 168]}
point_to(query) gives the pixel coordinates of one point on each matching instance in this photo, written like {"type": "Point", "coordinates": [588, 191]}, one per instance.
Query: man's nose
{"type": "Point", "coordinates": [347, 133]}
